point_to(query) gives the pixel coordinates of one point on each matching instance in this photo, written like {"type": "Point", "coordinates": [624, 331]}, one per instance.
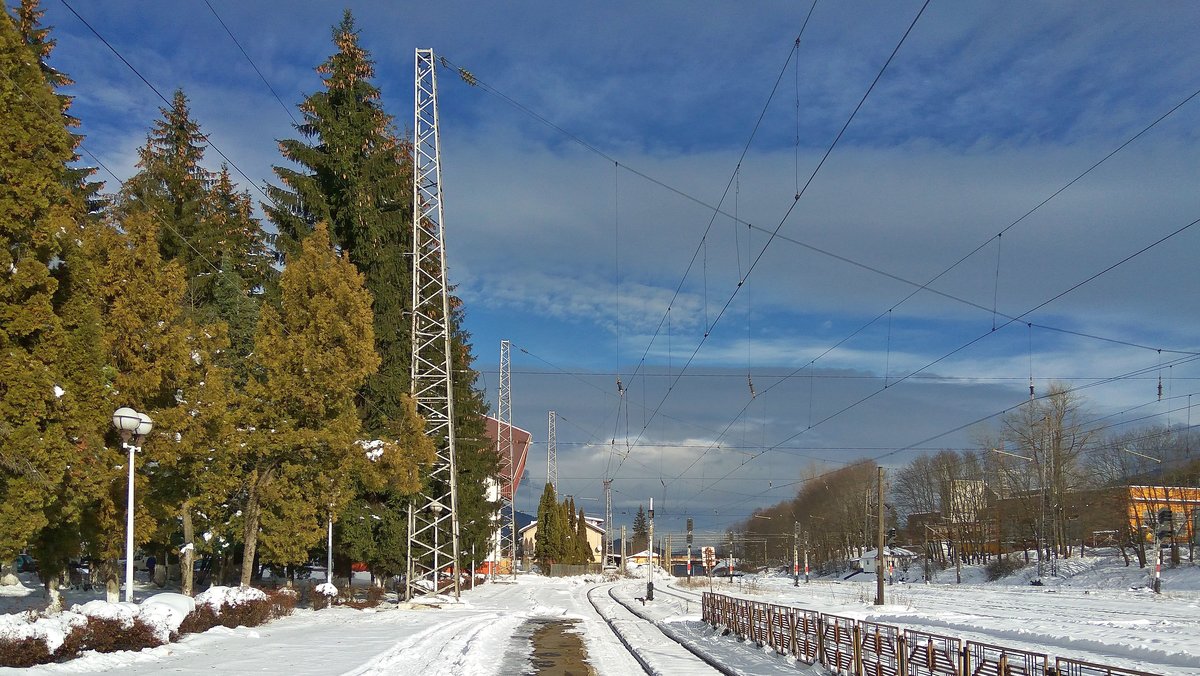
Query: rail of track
{"type": "Point", "coordinates": [626, 613]}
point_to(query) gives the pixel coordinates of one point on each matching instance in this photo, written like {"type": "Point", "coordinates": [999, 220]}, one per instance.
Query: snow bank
{"type": "Point", "coordinates": [219, 597]}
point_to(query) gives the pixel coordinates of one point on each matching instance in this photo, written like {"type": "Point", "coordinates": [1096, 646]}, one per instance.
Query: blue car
{"type": "Point", "coordinates": [25, 563]}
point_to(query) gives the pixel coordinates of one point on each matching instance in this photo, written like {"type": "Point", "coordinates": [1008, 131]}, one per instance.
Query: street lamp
{"type": "Point", "coordinates": [132, 426]}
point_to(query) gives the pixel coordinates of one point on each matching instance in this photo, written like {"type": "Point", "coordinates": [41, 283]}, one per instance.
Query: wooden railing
{"type": "Point", "coordinates": [848, 646]}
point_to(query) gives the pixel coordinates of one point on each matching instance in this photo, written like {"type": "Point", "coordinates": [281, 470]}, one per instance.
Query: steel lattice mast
{"type": "Point", "coordinates": [433, 517]}
{"type": "Point", "coordinates": [551, 457]}
{"type": "Point", "coordinates": [508, 463]}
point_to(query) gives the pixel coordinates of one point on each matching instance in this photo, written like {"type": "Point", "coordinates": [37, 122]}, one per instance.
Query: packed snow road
{"type": "Point", "coordinates": [536, 625]}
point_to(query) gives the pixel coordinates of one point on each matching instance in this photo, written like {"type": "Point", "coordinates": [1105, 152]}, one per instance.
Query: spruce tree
{"type": "Point", "coordinates": [311, 356]}
{"type": "Point", "coordinates": [37, 38]}
{"type": "Point", "coordinates": [172, 184]}
{"type": "Point", "coordinates": [356, 175]}
{"type": "Point", "coordinates": [641, 531]}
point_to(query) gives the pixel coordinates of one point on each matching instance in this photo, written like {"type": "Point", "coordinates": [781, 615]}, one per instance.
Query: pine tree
{"type": "Point", "coordinates": [476, 459]}
{"type": "Point", "coordinates": [37, 38]}
{"type": "Point", "coordinates": [581, 539]}
{"type": "Point", "coordinates": [311, 355]}
{"type": "Point", "coordinates": [641, 531]}
{"type": "Point", "coordinates": [173, 184]}
{"type": "Point", "coordinates": [356, 175]}
{"type": "Point", "coordinates": [548, 545]}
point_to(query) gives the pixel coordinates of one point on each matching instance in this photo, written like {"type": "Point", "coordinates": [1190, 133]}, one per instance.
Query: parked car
{"type": "Point", "coordinates": [25, 563]}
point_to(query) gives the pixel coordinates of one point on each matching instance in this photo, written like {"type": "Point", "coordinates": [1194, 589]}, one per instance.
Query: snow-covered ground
{"type": "Point", "coordinates": [1096, 610]}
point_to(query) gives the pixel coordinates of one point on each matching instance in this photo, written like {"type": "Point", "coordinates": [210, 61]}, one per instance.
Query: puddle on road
{"type": "Point", "coordinates": [557, 649]}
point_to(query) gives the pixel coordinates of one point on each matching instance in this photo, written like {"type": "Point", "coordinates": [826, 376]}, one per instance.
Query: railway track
{"type": "Point", "coordinates": [643, 638]}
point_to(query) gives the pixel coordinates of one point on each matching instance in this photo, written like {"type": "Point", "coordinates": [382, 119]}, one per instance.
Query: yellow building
{"type": "Point", "coordinates": [1145, 503]}
{"type": "Point", "coordinates": [595, 537]}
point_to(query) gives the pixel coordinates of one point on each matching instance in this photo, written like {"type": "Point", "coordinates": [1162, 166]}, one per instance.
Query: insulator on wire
{"type": "Point", "coordinates": [750, 382]}
{"type": "Point", "coordinates": [1160, 388]}
{"type": "Point", "coordinates": [1031, 395]}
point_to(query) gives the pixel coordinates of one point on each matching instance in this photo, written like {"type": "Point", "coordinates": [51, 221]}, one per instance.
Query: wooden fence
{"type": "Point", "coordinates": [862, 648]}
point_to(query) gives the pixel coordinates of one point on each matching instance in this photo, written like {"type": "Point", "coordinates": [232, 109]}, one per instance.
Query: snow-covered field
{"type": "Point", "coordinates": [1096, 610]}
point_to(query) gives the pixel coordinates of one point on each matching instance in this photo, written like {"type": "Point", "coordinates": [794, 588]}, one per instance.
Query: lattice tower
{"type": "Point", "coordinates": [551, 457]}
{"type": "Point", "coordinates": [508, 461]}
{"type": "Point", "coordinates": [433, 516]}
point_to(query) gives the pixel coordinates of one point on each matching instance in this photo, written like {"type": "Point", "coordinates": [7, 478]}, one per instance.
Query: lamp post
{"type": "Point", "coordinates": [133, 427]}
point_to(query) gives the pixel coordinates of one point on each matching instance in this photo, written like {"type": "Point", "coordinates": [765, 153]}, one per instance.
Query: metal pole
{"type": "Point", "coordinates": [879, 559]}
{"type": "Point", "coordinates": [650, 575]}
{"type": "Point", "coordinates": [329, 553]}
{"type": "Point", "coordinates": [806, 558]}
{"type": "Point", "coordinates": [796, 554]}
{"type": "Point", "coordinates": [129, 530]}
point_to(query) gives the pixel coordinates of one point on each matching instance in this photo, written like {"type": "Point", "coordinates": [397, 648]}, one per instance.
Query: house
{"type": "Point", "coordinates": [643, 557]}
{"type": "Point", "coordinates": [509, 480]}
{"type": "Point", "coordinates": [900, 558]}
{"type": "Point", "coordinates": [595, 537]}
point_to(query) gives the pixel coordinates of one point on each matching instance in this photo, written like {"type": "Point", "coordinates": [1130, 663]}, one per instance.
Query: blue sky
{"type": "Point", "coordinates": [985, 112]}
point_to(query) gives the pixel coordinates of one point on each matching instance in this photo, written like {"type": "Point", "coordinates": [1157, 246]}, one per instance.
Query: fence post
{"type": "Point", "coordinates": [902, 654]}
{"type": "Point", "coordinates": [857, 654]}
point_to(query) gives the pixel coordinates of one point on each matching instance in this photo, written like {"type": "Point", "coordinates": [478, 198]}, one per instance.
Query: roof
{"type": "Point", "coordinates": [897, 552]}
{"type": "Point", "coordinates": [590, 524]}
{"type": "Point", "coordinates": [510, 481]}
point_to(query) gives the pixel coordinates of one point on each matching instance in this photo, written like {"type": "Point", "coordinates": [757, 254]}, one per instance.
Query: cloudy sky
{"type": "Point", "coordinates": [620, 195]}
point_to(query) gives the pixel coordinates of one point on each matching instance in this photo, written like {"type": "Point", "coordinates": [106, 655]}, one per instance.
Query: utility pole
{"type": "Point", "coordinates": [607, 516]}
{"type": "Point", "coordinates": [650, 574]}
{"type": "Point", "coordinates": [879, 562]}
{"type": "Point", "coordinates": [796, 554]}
{"type": "Point", "coordinates": [436, 509]}
{"type": "Point", "coordinates": [730, 560]}
{"type": "Point", "coordinates": [669, 551]}
{"type": "Point", "coordinates": [805, 557]}
{"type": "Point", "coordinates": [689, 549]}
{"type": "Point", "coordinates": [624, 550]}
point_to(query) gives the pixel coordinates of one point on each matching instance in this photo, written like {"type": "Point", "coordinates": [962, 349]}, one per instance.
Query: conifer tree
{"type": "Point", "coordinates": [172, 183]}
{"type": "Point", "coordinates": [548, 546]}
{"type": "Point", "coordinates": [37, 38]}
{"type": "Point", "coordinates": [45, 415]}
{"type": "Point", "coordinates": [641, 530]}
{"type": "Point", "coordinates": [311, 356]}
{"type": "Point", "coordinates": [146, 341]}
{"type": "Point", "coordinates": [581, 539]}
{"type": "Point", "coordinates": [476, 458]}
{"type": "Point", "coordinates": [355, 175]}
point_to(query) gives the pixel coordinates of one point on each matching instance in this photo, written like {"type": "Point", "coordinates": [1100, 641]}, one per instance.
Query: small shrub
{"type": "Point", "coordinates": [375, 596]}
{"type": "Point", "coordinates": [23, 652]}
{"type": "Point", "coordinates": [105, 635]}
{"type": "Point", "coordinates": [1003, 566]}
{"type": "Point", "coordinates": [73, 643]}
{"type": "Point", "coordinates": [199, 620]}
{"type": "Point", "coordinates": [249, 613]}
{"type": "Point", "coordinates": [283, 602]}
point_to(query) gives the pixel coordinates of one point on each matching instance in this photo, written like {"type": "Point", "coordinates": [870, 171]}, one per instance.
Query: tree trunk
{"type": "Point", "coordinates": [112, 583]}
{"type": "Point", "coordinates": [53, 597]}
{"type": "Point", "coordinates": [250, 532]}
{"type": "Point", "coordinates": [187, 551]}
